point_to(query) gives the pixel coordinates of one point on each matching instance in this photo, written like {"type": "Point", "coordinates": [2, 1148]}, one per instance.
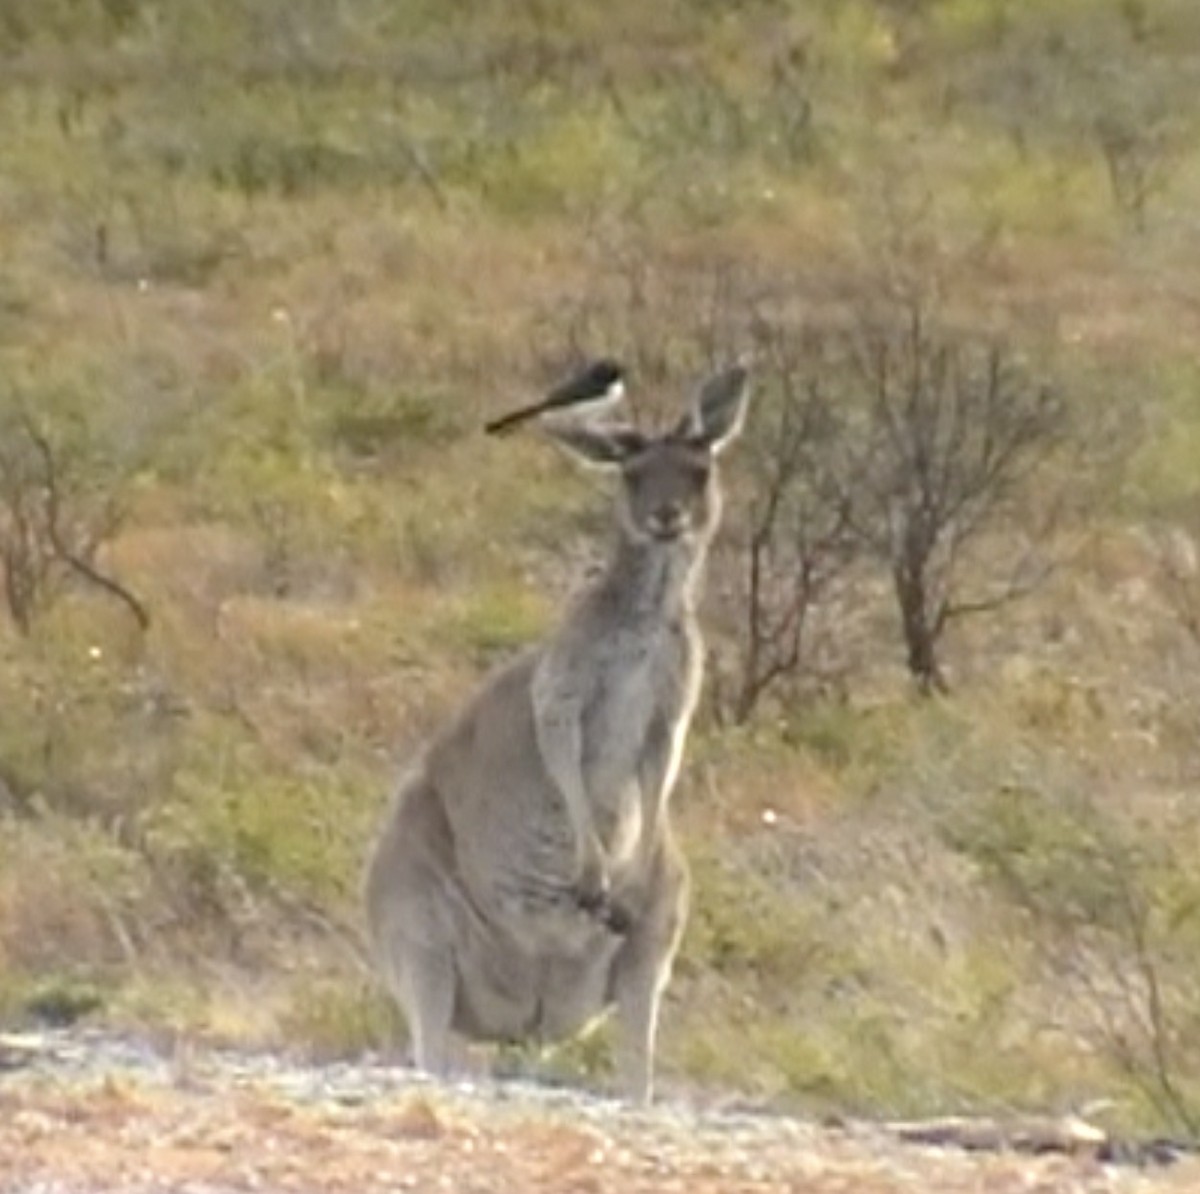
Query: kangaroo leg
{"type": "Point", "coordinates": [410, 924]}
{"type": "Point", "coordinates": [638, 996]}
{"type": "Point", "coordinates": [641, 971]}
{"type": "Point", "coordinates": [427, 994]}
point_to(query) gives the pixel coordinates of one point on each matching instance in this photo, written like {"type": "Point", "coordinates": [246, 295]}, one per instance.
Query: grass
{"type": "Point", "coordinates": [269, 268]}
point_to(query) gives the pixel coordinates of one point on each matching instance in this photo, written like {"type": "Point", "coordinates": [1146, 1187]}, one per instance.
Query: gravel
{"type": "Point", "coordinates": [89, 1111]}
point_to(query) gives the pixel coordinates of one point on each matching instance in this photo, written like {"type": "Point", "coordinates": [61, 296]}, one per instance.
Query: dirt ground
{"type": "Point", "coordinates": [214, 1125]}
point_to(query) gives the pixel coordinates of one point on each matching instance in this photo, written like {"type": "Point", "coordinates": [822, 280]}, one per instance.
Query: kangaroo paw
{"type": "Point", "coordinates": [596, 900]}
{"type": "Point", "coordinates": [616, 918]}
{"type": "Point", "coordinates": [613, 916]}
{"type": "Point", "coordinates": [591, 888]}
{"type": "Point", "coordinates": [592, 899]}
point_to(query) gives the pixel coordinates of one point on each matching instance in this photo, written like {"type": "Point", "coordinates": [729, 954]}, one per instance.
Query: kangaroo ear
{"type": "Point", "coordinates": [601, 447]}
{"type": "Point", "coordinates": [718, 410]}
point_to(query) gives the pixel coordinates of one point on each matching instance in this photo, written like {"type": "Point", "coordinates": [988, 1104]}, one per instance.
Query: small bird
{"type": "Point", "coordinates": [598, 386]}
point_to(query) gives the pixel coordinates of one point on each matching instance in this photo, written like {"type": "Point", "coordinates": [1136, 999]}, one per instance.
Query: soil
{"type": "Point", "coordinates": [85, 1113]}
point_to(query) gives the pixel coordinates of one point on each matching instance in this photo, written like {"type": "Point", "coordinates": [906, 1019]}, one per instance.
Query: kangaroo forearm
{"type": "Point", "coordinates": [579, 810]}
{"type": "Point", "coordinates": [559, 695]}
{"type": "Point", "coordinates": [560, 743]}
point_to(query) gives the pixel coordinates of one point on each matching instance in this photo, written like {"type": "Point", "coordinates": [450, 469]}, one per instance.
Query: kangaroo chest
{"type": "Point", "coordinates": [641, 691]}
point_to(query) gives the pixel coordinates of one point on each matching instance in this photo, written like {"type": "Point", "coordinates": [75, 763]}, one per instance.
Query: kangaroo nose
{"type": "Point", "coordinates": [667, 519]}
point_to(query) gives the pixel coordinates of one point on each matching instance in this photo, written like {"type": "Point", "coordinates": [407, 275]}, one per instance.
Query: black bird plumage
{"type": "Point", "coordinates": [598, 385]}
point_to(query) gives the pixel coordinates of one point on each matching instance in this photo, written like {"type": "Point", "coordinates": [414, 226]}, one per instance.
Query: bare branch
{"type": "Point", "coordinates": [54, 532]}
{"type": "Point", "coordinates": [952, 426]}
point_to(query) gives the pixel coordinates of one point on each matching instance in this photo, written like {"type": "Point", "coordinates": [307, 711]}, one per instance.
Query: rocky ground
{"type": "Point", "coordinates": [85, 1113]}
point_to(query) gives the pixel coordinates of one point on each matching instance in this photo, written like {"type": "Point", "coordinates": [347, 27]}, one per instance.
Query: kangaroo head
{"type": "Point", "coordinates": [669, 488]}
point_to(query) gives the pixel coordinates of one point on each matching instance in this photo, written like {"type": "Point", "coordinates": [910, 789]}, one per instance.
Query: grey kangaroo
{"type": "Point", "coordinates": [526, 879]}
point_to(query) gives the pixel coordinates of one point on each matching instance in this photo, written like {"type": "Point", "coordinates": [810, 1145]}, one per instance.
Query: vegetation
{"type": "Point", "coordinates": [268, 266]}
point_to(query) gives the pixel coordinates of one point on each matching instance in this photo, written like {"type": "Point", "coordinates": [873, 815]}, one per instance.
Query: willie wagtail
{"type": "Point", "coordinates": [596, 387]}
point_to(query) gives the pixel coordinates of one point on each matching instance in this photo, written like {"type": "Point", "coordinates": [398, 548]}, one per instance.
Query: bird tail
{"type": "Point", "coordinates": [506, 423]}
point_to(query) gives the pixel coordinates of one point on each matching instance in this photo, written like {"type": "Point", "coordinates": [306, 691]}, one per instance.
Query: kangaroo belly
{"type": "Point", "coordinates": [507, 993]}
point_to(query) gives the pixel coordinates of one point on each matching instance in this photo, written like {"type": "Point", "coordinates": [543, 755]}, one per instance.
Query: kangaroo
{"type": "Point", "coordinates": [525, 879]}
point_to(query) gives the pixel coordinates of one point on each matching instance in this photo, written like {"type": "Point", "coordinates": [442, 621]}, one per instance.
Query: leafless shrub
{"type": "Point", "coordinates": [792, 537]}
{"type": "Point", "coordinates": [948, 427]}
{"type": "Point", "coordinates": [894, 435]}
{"type": "Point", "coordinates": [53, 520]}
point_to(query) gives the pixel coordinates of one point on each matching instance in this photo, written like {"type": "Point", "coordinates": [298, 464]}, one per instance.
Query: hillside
{"type": "Point", "coordinates": [268, 265]}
